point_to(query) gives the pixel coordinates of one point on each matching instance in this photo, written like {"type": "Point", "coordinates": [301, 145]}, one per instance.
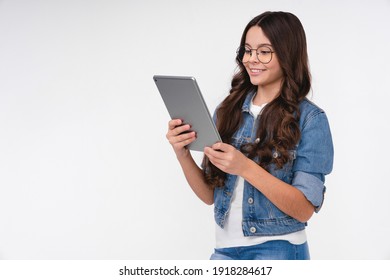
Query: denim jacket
{"type": "Point", "coordinates": [310, 161]}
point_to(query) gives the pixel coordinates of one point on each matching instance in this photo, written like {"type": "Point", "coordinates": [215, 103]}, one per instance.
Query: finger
{"type": "Point", "coordinates": [215, 153]}
{"type": "Point", "coordinates": [181, 129]}
{"type": "Point", "coordinates": [190, 136]}
{"type": "Point", "coordinates": [185, 136]}
{"type": "Point", "coordinates": [219, 163]}
{"type": "Point", "coordinates": [185, 142]}
{"type": "Point", "coordinates": [220, 146]}
{"type": "Point", "coordinates": [173, 123]}
{"type": "Point", "coordinates": [178, 130]}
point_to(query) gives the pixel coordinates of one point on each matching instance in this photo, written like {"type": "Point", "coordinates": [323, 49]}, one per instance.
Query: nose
{"type": "Point", "coordinates": [253, 57]}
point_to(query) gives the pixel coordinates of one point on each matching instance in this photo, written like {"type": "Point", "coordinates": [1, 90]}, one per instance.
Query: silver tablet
{"type": "Point", "coordinates": [183, 99]}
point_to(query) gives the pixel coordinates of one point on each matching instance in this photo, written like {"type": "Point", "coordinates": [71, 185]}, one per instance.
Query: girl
{"type": "Point", "coordinates": [267, 176]}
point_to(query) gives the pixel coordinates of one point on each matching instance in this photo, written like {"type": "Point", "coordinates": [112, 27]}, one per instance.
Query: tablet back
{"type": "Point", "coordinates": [183, 99]}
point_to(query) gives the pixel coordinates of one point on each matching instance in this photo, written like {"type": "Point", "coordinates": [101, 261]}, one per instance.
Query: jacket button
{"type": "Point", "coordinates": [252, 229]}
{"type": "Point", "coordinates": [250, 200]}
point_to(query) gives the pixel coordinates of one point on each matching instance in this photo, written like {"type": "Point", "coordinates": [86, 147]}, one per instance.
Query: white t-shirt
{"type": "Point", "coordinates": [231, 235]}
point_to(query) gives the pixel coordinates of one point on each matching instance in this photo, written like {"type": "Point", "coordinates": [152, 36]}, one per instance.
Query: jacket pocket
{"type": "Point", "coordinates": [285, 173]}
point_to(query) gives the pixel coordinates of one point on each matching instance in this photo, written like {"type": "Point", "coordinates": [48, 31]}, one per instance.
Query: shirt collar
{"type": "Point", "coordinates": [247, 102]}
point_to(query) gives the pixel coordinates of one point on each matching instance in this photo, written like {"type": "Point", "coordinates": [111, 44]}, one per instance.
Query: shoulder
{"type": "Point", "coordinates": [315, 148]}
{"type": "Point", "coordinates": [308, 107]}
{"type": "Point", "coordinates": [309, 111]}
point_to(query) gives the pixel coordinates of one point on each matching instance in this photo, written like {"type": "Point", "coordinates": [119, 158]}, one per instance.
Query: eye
{"type": "Point", "coordinates": [247, 51]}
{"type": "Point", "coordinates": [264, 52]}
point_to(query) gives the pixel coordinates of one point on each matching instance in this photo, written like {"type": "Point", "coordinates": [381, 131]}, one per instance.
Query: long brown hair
{"type": "Point", "coordinates": [278, 128]}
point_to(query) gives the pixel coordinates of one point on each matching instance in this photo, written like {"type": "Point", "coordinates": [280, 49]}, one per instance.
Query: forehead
{"type": "Point", "coordinates": [255, 37]}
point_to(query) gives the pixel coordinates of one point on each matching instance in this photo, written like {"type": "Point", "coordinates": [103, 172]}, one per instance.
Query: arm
{"type": "Point", "coordinates": [287, 198]}
{"type": "Point", "coordinates": [191, 170]}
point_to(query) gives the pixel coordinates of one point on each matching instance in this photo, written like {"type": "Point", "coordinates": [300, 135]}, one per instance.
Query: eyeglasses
{"type": "Point", "coordinates": [263, 53]}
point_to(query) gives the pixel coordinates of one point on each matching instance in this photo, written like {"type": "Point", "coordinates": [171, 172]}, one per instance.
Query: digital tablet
{"type": "Point", "coordinates": [183, 99]}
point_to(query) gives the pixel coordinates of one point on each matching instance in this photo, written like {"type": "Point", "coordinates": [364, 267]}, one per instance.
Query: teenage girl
{"type": "Point", "coordinates": [266, 177]}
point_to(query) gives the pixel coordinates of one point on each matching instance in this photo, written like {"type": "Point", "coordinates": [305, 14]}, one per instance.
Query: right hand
{"type": "Point", "coordinates": [177, 140]}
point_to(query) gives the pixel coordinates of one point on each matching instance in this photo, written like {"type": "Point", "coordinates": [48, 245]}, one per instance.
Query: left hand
{"type": "Point", "coordinates": [227, 158]}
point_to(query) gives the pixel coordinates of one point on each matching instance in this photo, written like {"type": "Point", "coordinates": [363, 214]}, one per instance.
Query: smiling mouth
{"type": "Point", "coordinates": [257, 70]}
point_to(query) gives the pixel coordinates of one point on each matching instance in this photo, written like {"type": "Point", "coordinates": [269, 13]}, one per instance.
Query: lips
{"type": "Point", "coordinates": [256, 71]}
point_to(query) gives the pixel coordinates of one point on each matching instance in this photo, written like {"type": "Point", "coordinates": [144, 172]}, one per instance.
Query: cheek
{"type": "Point", "coordinates": [276, 70]}
{"type": "Point", "coordinates": [279, 73]}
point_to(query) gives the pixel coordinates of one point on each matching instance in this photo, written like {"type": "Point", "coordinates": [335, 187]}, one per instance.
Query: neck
{"type": "Point", "coordinates": [266, 94]}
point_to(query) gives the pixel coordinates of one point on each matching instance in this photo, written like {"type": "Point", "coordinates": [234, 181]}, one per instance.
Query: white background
{"type": "Point", "coordinates": [85, 169]}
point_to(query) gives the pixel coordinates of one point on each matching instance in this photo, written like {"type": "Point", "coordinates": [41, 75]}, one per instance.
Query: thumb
{"type": "Point", "coordinates": [221, 147]}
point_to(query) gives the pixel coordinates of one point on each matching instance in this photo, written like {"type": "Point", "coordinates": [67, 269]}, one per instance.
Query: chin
{"type": "Point", "coordinates": [256, 82]}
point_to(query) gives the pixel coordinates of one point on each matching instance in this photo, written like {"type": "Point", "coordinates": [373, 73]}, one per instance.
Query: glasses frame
{"type": "Point", "coordinates": [257, 53]}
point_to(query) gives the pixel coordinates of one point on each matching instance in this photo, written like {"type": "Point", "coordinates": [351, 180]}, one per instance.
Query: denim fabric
{"type": "Point", "coordinates": [271, 250]}
{"type": "Point", "coordinates": [310, 161]}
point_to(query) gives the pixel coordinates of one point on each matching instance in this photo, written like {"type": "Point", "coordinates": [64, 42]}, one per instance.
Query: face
{"type": "Point", "coordinates": [261, 74]}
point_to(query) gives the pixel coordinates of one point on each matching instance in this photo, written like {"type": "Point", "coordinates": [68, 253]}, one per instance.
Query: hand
{"type": "Point", "coordinates": [177, 138]}
{"type": "Point", "coordinates": [227, 158]}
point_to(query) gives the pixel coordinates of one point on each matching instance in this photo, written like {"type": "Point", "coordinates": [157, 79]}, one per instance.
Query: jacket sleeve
{"type": "Point", "coordinates": [314, 158]}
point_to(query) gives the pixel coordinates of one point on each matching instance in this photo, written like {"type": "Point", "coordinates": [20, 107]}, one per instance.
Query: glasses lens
{"type": "Point", "coordinates": [242, 54]}
{"type": "Point", "coordinates": [264, 54]}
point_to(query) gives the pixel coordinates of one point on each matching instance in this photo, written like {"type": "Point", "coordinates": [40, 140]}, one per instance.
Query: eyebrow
{"type": "Point", "coordinates": [260, 45]}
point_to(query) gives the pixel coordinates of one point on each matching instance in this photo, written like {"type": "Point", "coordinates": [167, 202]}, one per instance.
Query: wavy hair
{"type": "Point", "coordinates": [278, 128]}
